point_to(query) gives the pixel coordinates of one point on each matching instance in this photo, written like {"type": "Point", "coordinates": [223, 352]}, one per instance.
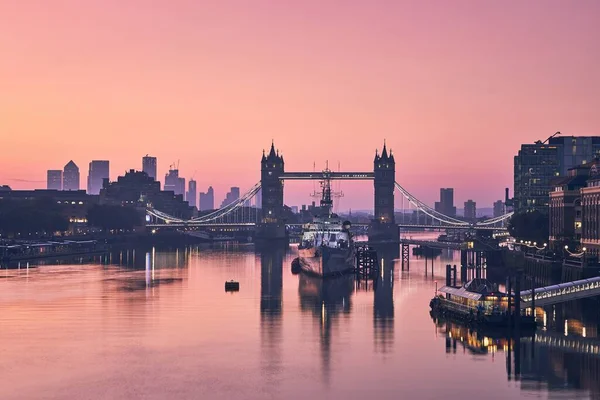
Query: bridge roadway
{"type": "Point", "coordinates": [328, 174]}
{"type": "Point", "coordinates": [247, 224]}
{"type": "Point", "coordinates": [433, 244]}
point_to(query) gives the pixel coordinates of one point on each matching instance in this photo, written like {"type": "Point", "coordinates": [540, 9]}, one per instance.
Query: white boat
{"type": "Point", "coordinates": [327, 247]}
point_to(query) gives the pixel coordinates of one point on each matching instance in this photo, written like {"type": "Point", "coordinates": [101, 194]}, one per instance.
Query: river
{"type": "Point", "coordinates": [157, 324]}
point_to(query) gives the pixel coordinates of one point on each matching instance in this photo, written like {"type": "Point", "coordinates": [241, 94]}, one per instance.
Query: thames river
{"type": "Point", "coordinates": [158, 324]}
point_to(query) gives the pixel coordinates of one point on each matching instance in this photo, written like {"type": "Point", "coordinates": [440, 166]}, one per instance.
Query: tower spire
{"type": "Point", "coordinates": [272, 152]}
{"type": "Point", "coordinates": [384, 152]}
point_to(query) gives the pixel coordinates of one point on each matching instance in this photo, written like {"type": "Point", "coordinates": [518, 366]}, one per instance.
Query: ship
{"type": "Point", "coordinates": [327, 247]}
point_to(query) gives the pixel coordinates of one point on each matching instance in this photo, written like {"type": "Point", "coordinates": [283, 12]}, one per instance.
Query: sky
{"type": "Point", "coordinates": [454, 87]}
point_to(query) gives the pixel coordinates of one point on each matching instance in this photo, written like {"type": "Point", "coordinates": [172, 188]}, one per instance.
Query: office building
{"type": "Point", "coordinates": [231, 196]}
{"type": "Point", "coordinates": [470, 210]}
{"type": "Point", "coordinates": [446, 203]}
{"type": "Point", "coordinates": [207, 200]}
{"type": "Point", "coordinates": [174, 183]}
{"type": "Point", "coordinates": [137, 189]}
{"type": "Point", "coordinates": [192, 193]}
{"type": "Point", "coordinates": [98, 172]}
{"type": "Point", "coordinates": [498, 208]}
{"type": "Point", "coordinates": [569, 201]}
{"type": "Point", "coordinates": [535, 165]}
{"type": "Point", "coordinates": [71, 176]}
{"type": "Point", "coordinates": [73, 204]}
{"type": "Point", "coordinates": [149, 166]}
{"type": "Point", "coordinates": [54, 179]}
{"type": "Point", "coordinates": [258, 199]}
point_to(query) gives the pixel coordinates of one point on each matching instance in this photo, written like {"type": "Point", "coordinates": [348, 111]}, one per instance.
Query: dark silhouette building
{"type": "Point", "coordinates": [499, 208]}
{"type": "Point", "coordinates": [232, 195]}
{"type": "Point", "coordinates": [192, 193]}
{"type": "Point", "coordinates": [74, 204]}
{"type": "Point", "coordinates": [174, 183]}
{"type": "Point", "coordinates": [446, 203]}
{"type": "Point", "coordinates": [98, 172]}
{"type": "Point", "coordinates": [137, 189]}
{"type": "Point", "coordinates": [470, 210]}
{"type": "Point", "coordinates": [54, 179]}
{"type": "Point", "coordinates": [71, 176]}
{"type": "Point", "coordinates": [149, 166]}
{"type": "Point", "coordinates": [207, 200]}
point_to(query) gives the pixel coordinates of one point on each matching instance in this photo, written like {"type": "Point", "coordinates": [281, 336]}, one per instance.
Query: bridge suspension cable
{"type": "Point", "coordinates": [428, 210]}
{"type": "Point", "coordinates": [496, 220]}
{"type": "Point", "coordinates": [212, 216]}
{"type": "Point", "coordinates": [230, 207]}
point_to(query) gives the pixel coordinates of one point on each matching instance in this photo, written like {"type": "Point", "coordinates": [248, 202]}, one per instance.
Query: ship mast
{"type": "Point", "coordinates": [326, 193]}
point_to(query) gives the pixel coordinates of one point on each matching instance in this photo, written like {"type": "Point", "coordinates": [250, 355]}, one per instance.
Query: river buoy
{"type": "Point", "coordinates": [232, 286]}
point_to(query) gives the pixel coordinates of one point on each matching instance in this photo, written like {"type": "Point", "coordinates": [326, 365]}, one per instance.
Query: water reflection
{"type": "Point", "coordinates": [383, 301]}
{"type": "Point", "coordinates": [545, 360]}
{"type": "Point", "coordinates": [164, 313]}
{"type": "Point", "coordinates": [271, 305]}
{"type": "Point", "coordinates": [327, 300]}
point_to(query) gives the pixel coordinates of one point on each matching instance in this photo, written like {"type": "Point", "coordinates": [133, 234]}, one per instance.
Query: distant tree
{"type": "Point", "coordinates": [532, 226]}
{"type": "Point", "coordinates": [109, 217]}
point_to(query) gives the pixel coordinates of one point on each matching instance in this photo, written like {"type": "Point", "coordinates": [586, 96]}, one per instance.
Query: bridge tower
{"type": "Point", "coordinates": [272, 225]}
{"type": "Point", "coordinates": [383, 227]}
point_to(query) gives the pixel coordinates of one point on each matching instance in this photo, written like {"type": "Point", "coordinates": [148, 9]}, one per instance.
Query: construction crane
{"type": "Point", "coordinates": [547, 140]}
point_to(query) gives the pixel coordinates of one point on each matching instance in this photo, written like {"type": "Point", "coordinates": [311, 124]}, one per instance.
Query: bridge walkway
{"type": "Point", "coordinates": [554, 294]}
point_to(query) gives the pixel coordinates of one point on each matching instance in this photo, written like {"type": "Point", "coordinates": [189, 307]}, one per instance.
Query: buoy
{"type": "Point", "coordinates": [232, 286]}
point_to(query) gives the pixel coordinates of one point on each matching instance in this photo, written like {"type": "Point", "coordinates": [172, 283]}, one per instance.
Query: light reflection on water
{"type": "Point", "coordinates": [158, 324]}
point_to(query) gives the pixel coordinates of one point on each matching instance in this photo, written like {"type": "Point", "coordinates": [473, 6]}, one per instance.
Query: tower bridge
{"type": "Point", "coordinates": [269, 220]}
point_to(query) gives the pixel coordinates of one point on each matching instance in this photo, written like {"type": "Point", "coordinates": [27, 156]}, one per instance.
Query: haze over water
{"type": "Point", "coordinates": [158, 324]}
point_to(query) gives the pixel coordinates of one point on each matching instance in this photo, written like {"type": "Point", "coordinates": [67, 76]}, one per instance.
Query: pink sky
{"type": "Point", "coordinates": [454, 86]}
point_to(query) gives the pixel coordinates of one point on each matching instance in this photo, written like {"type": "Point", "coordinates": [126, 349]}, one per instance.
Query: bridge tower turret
{"type": "Point", "coordinates": [271, 225]}
{"type": "Point", "coordinates": [383, 226]}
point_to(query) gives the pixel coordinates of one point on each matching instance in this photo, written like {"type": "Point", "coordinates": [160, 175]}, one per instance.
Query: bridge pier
{"type": "Point", "coordinates": [405, 256]}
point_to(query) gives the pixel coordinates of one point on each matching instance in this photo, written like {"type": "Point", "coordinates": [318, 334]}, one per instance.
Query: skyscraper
{"type": "Point", "coordinates": [174, 183]}
{"type": "Point", "coordinates": [99, 170]}
{"type": "Point", "coordinates": [498, 208]}
{"type": "Point", "coordinates": [71, 176]}
{"type": "Point", "coordinates": [258, 199]}
{"type": "Point", "coordinates": [470, 210]}
{"type": "Point", "coordinates": [231, 196]}
{"type": "Point", "coordinates": [149, 166]}
{"type": "Point", "coordinates": [535, 165]}
{"type": "Point", "coordinates": [207, 200]}
{"type": "Point", "coordinates": [54, 179]}
{"type": "Point", "coordinates": [192, 193]}
{"type": "Point", "coordinates": [446, 203]}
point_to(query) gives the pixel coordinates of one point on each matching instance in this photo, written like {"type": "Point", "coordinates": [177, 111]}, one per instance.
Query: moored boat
{"type": "Point", "coordinates": [479, 302]}
{"type": "Point", "coordinates": [327, 247]}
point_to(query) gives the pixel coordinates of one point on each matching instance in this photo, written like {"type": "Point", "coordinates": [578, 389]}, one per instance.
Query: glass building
{"type": "Point", "coordinates": [535, 165]}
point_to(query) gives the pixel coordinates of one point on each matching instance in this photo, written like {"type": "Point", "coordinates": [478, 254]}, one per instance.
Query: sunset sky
{"type": "Point", "coordinates": [453, 86]}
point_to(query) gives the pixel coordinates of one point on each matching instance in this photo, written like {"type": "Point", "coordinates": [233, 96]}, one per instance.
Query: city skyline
{"type": "Point", "coordinates": [441, 86]}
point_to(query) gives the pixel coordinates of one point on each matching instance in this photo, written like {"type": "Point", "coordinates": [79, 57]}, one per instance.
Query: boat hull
{"type": "Point", "coordinates": [325, 262]}
{"type": "Point", "coordinates": [444, 308]}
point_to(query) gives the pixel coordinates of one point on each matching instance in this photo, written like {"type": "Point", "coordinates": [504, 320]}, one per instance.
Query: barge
{"type": "Point", "coordinates": [479, 302]}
